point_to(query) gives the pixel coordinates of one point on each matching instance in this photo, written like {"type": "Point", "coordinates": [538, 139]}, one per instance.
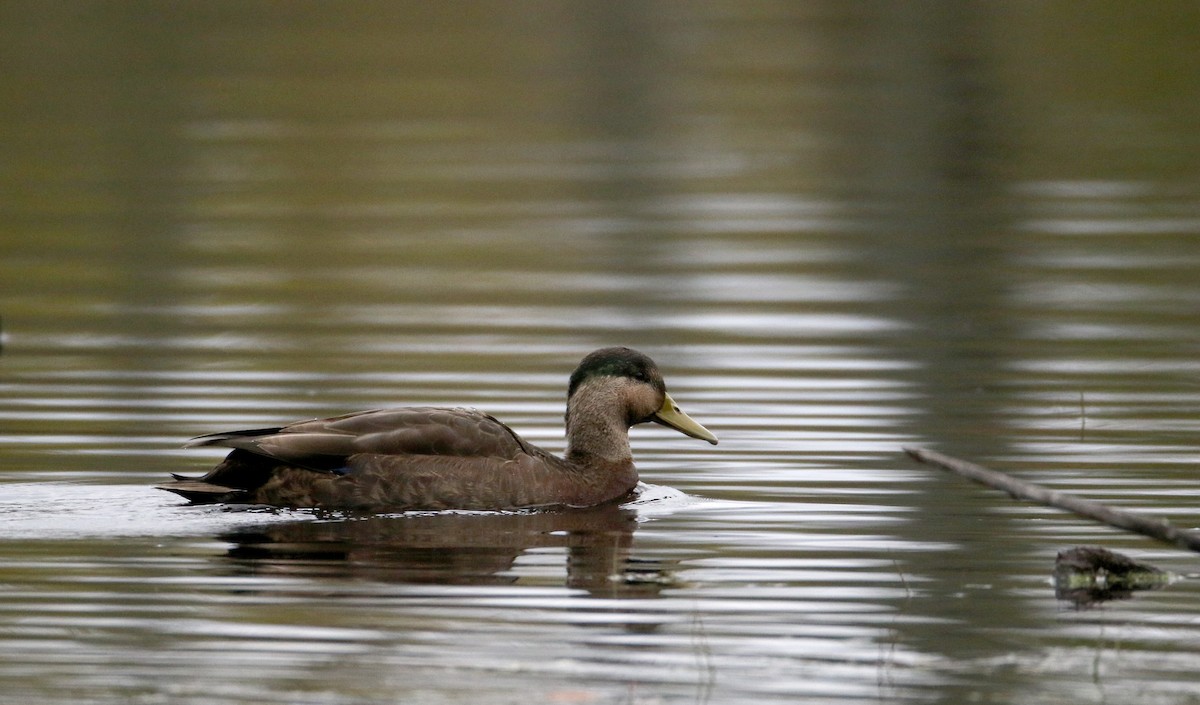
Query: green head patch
{"type": "Point", "coordinates": [616, 362]}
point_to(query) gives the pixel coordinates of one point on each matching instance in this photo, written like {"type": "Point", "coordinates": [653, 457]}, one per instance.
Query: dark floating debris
{"type": "Point", "coordinates": [1086, 575]}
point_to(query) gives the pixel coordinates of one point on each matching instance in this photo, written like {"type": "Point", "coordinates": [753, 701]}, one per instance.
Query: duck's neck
{"type": "Point", "coordinates": [597, 429]}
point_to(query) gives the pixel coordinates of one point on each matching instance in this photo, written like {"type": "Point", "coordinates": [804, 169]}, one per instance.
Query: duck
{"type": "Point", "coordinates": [434, 458]}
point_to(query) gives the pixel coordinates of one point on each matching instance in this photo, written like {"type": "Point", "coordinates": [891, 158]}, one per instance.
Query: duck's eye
{"type": "Point", "coordinates": [641, 376]}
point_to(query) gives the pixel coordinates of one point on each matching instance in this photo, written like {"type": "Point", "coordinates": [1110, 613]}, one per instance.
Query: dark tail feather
{"type": "Point", "coordinates": [233, 480]}
{"type": "Point", "coordinates": [199, 492]}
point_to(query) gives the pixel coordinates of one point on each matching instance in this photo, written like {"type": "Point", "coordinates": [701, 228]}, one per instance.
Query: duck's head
{"type": "Point", "coordinates": [631, 380]}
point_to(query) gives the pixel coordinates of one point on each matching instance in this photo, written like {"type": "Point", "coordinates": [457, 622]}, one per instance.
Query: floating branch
{"type": "Point", "coordinates": [1130, 521]}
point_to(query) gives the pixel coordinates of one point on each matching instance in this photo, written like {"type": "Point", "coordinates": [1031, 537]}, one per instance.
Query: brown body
{"type": "Point", "coordinates": [434, 458]}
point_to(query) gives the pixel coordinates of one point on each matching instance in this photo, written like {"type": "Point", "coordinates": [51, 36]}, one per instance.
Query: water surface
{"type": "Point", "coordinates": [838, 230]}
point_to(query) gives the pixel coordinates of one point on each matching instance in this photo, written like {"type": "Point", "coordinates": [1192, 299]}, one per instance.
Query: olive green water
{"type": "Point", "coordinates": [839, 228]}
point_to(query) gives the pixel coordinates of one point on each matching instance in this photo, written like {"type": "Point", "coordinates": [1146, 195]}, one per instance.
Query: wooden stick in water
{"type": "Point", "coordinates": [1130, 521]}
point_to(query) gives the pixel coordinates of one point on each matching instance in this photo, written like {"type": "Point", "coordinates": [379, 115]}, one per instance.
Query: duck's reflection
{"type": "Point", "coordinates": [458, 549]}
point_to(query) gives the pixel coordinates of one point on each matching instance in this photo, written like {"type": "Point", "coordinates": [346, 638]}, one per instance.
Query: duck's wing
{"type": "Point", "coordinates": [325, 443]}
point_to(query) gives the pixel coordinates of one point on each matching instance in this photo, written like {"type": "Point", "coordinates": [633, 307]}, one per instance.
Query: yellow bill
{"type": "Point", "coordinates": [671, 415]}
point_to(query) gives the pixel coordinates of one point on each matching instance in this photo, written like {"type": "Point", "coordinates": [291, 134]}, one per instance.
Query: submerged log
{"type": "Point", "coordinates": [1090, 574]}
{"type": "Point", "coordinates": [1142, 524]}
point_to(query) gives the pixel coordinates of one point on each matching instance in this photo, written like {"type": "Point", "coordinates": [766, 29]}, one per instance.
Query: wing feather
{"type": "Point", "coordinates": [323, 443]}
